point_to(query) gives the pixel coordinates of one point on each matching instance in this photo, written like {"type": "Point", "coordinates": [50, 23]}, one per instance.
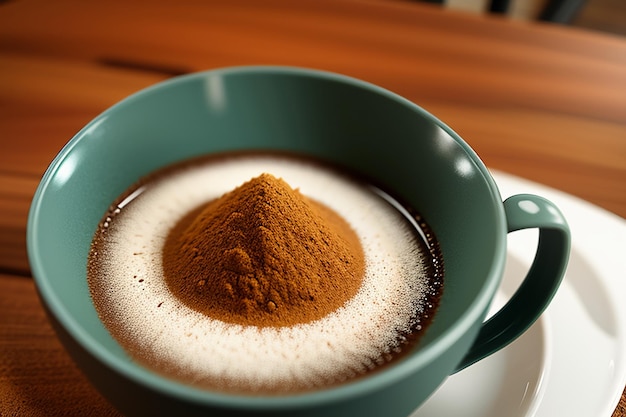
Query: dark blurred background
{"type": "Point", "coordinates": [603, 15]}
{"type": "Point", "coordinates": [607, 16]}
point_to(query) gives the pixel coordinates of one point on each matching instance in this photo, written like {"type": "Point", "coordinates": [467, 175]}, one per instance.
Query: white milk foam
{"type": "Point", "coordinates": [204, 351]}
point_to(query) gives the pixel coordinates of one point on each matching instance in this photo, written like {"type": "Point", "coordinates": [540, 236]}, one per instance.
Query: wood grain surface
{"type": "Point", "coordinates": [543, 102]}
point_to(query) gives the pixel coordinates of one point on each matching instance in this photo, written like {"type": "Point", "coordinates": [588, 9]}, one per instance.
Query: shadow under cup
{"type": "Point", "coordinates": [359, 126]}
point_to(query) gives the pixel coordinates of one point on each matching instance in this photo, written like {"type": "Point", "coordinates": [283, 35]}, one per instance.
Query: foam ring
{"type": "Point", "coordinates": [159, 331]}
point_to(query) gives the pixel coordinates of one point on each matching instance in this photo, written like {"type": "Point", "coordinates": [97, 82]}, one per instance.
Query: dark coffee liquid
{"type": "Point", "coordinates": [397, 301]}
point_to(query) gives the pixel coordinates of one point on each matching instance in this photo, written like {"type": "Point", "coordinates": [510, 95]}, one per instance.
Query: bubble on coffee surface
{"type": "Point", "coordinates": [158, 330]}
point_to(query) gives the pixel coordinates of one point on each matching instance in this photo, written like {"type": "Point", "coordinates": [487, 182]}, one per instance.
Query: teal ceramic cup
{"type": "Point", "coordinates": [341, 120]}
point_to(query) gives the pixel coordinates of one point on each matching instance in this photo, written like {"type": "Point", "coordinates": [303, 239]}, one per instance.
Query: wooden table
{"type": "Point", "coordinates": [543, 102]}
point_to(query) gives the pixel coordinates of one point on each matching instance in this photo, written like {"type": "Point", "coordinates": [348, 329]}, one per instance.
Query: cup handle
{"type": "Point", "coordinates": [525, 211]}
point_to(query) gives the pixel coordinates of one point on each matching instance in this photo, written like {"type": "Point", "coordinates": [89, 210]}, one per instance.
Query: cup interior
{"type": "Point", "coordinates": [354, 124]}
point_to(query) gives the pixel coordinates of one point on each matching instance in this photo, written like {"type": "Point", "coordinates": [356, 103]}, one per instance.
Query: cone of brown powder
{"type": "Point", "coordinates": [264, 255]}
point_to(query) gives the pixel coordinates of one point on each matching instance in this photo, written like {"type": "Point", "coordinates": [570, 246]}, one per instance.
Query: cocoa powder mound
{"type": "Point", "coordinates": [264, 255]}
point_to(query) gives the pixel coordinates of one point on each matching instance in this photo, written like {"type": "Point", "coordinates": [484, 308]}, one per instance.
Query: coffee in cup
{"type": "Point", "coordinates": [215, 273]}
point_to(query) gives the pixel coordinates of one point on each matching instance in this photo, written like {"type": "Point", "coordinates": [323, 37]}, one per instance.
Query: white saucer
{"type": "Point", "coordinates": [572, 361]}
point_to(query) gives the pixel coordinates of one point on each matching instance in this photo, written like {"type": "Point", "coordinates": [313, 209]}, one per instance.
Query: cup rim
{"type": "Point", "coordinates": [188, 393]}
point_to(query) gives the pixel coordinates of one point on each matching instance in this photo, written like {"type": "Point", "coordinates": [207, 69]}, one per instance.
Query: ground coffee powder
{"type": "Point", "coordinates": [263, 255]}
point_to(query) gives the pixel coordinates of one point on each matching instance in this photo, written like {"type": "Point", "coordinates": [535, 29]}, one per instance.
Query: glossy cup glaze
{"type": "Point", "coordinates": [352, 123]}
